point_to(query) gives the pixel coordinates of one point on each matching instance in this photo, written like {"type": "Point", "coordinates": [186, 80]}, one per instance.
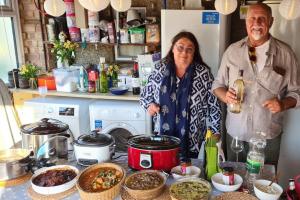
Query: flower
{"type": "Point", "coordinates": [64, 50]}
{"type": "Point", "coordinates": [29, 71]}
{"type": "Point", "coordinates": [112, 70]}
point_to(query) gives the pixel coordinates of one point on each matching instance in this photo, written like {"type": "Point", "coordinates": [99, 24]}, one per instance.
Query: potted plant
{"type": "Point", "coordinates": [112, 74]}
{"type": "Point", "coordinates": [28, 76]}
{"type": "Point", "coordinates": [64, 52]}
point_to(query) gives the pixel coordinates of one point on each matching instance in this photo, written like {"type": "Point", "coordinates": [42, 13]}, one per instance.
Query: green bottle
{"type": "Point", "coordinates": [103, 77]}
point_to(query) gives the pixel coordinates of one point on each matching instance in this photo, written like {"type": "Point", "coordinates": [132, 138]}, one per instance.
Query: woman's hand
{"type": "Point", "coordinates": [153, 109]}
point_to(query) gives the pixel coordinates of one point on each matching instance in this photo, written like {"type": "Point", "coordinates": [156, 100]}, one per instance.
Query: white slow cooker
{"type": "Point", "coordinates": [94, 148]}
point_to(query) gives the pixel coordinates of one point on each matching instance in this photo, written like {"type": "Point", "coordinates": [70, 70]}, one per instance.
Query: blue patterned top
{"type": "Point", "coordinates": [204, 107]}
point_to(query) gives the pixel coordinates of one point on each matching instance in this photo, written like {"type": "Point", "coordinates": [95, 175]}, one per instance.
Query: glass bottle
{"type": "Point", "coordinates": [238, 86]}
{"type": "Point", "coordinates": [103, 77]}
{"type": "Point", "coordinates": [135, 80]}
{"type": "Point", "coordinates": [292, 194]}
{"type": "Point", "coordinates": [255, 158]}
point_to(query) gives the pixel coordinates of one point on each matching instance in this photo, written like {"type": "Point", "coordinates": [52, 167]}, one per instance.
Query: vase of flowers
{"type": "Point", "coordinates": [112, 73]}
{"type": "Point", "coordinates": [28, 76]}
{"type": "Point", "coordinates": [64, 52]}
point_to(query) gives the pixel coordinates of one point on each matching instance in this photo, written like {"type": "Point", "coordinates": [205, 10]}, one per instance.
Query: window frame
{"type": "Point", "coordinates": [11, 9]}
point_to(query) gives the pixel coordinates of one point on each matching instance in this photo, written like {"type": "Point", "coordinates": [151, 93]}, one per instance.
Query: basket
{"type": "Point", "coordinates": [103, 195]}
{"type": "Point", "coordinates": [146, 194]}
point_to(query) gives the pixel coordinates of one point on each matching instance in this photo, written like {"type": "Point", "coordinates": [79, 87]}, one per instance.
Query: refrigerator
{"type": "Point", "coordinates": [210, 28]}
{"type": "Point", "coordinates": [289, 159]}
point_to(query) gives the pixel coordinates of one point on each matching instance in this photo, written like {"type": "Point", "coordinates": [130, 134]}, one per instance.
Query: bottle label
{"type": "Point", "coordinates": [135, 82]}
{"type": "Point", "coordinates": [253, 167]}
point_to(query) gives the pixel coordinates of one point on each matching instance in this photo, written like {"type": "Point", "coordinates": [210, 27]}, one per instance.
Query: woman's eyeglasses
{"type": "Point", "coordinates": [252, 54]}
{"type": "Point", "coordinates": [181, 48]}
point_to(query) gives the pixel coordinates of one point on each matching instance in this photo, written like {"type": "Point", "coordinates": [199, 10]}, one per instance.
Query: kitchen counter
{"type": "Point", "coordinates": [20, 192]}
{"type": "Point", "coordinates": [127, 97]}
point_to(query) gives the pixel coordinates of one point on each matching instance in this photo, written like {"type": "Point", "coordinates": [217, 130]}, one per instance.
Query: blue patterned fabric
{"type": "Point", "coordinates": [204, 109]}
{"type": "Point", "coordinates": [174, 103]}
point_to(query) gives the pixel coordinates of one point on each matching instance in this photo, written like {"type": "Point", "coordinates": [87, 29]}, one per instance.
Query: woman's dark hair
{"type": "Point", "coordinates": [188, 35]}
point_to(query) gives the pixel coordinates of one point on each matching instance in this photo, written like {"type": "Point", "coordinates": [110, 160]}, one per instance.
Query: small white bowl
{"type": "Point", "coordinates": [191, 171]}
{"type": "Point", "coordinates": [54, 189]}
{"type": "Point", "coordinates": [264, 195]}
{"type": "Point", "coordinates": [217, 181]}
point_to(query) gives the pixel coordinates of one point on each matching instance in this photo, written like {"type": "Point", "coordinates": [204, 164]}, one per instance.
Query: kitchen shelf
{"type": "Point", "coordinates": [126, 97]}
{"type": "Point", "coordinates": [112, 44]}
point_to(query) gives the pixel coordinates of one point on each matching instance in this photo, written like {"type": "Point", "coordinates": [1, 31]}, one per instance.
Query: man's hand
{"type": "Point", "coordinates": [274, 105]}
{"type": "Point", "coordinates": [153, 109]}
{"type": "Point", "coordinates": [230, 96]}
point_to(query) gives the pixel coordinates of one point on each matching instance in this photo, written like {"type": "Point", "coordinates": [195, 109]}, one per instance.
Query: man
{"type": "Point", "coordinates": [272, 84]}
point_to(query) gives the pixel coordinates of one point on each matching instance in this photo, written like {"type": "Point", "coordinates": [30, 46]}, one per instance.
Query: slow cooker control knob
{"type": "Point", "coordinates": [145, 163]}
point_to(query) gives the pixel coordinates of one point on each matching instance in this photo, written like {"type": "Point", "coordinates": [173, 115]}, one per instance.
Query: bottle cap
{"type": "Point", "coordinates": [102, 60]}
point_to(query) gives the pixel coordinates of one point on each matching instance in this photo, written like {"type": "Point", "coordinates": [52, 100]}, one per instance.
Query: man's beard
{"type": "Point", "coordinates": [256, 35]}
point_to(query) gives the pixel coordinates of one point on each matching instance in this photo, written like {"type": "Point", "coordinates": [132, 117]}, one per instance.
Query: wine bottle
{"type": "Point", "coordinates": [238, 86]}
{"type": "Point", "coordinates": [292, 194]}
{"type": "Point", "coordinates": [103, 77]}
{"type": "Point", "coordinates": [135, 80]}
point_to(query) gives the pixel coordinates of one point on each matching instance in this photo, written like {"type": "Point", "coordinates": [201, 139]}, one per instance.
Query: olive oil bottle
{"type": "Point", "coordinates": [239, 87]}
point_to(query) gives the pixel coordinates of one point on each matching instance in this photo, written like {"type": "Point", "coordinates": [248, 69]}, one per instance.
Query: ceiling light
{"type": "Point", "coordinates": [225, 7]}
{"type": "Point", "coordinates": [120, 5]}
{"type": "Point", "coordinates": [290, 9]}
{"type": "Point", "coordinates": [94, 5]}
{"type": "Point", "coordinates": [55, 8]}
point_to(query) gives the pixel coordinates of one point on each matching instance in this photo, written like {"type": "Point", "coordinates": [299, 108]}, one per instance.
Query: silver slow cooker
{"type": "Point", "coordinates": [37, 134]}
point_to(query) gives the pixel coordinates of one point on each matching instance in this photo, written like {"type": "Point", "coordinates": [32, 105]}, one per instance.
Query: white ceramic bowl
{"type": "Point", "coordinates": [267, 196]}
{"type": "Point", "coordinates": [191, 171]}
{"type": "Point", "coordinates": [217, 181]}
{"type": "Point", "coordinates": [191, 179]}
{"type": "Point", "coordinates": [54, 189]}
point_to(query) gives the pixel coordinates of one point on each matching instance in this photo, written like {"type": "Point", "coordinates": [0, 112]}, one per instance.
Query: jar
{"type": "Point", "coordinates": [74, 34]}
{"type": "Point", "coordinates": [91, 87]}
{"type": "Point", "coordinates": [94, 34]}
{"type": "Point", "coordinates": [13, 78]}
{"type": "Point", "coordinates": [228, 176]}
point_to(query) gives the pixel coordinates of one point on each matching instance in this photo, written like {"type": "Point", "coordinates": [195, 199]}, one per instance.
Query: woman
{"type": "Point", "coordinates": [179, 95]}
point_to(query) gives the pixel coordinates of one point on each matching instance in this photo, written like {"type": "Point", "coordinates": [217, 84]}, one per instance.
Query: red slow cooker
{"type": "Point", "coordinates": [153, 152]}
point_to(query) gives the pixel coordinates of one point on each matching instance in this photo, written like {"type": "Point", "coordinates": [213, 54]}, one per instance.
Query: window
{"type": "Point", "coordinates": [10, 41]}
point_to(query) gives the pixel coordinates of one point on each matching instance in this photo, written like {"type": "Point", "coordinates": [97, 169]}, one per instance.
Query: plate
{"type": "Point", "coordinates": [54, 189]}
{"type": "Point", "coordinates": [118, 90]}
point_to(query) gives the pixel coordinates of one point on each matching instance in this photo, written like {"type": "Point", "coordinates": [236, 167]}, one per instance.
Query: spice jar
{"type": "Point", "coordinates": [228, 176]}
{"type": "Point", "coordinates": [184, 167]}
{"type": "Point", "coordinates": [91, 87]}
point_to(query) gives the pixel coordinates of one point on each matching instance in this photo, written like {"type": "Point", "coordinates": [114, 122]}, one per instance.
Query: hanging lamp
{"type": "Point", "coordinates": [55, 8]}
{"type": "Point", "coordinates": [120, 5]}
{"type": "Point", "coordinates": [225, 7]}
{"type": "Point", "coordinates": [290, 9]}
{"type": "Point", "coordinates": [94, 5]}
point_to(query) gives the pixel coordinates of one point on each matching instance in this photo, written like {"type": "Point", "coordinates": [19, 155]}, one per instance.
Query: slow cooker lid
{"type": "Point", "coordinates": [44, 127]}
{"type": "Point", "coordinates": [95, 139]}
{"type": "Point", "coordinates": [161, 142]}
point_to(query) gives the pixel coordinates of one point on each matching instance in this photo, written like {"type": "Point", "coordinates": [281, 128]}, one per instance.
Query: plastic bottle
{"type": "Point", "coordinates": [255, 158]}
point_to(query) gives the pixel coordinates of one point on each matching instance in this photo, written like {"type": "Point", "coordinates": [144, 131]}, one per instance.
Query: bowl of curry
{"type": "Point", "coordinates": [146, 184]}
{"type": "Point", "coordinates": [190, 189]}
{"type": "Point", "coordinates": [101, 181]}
